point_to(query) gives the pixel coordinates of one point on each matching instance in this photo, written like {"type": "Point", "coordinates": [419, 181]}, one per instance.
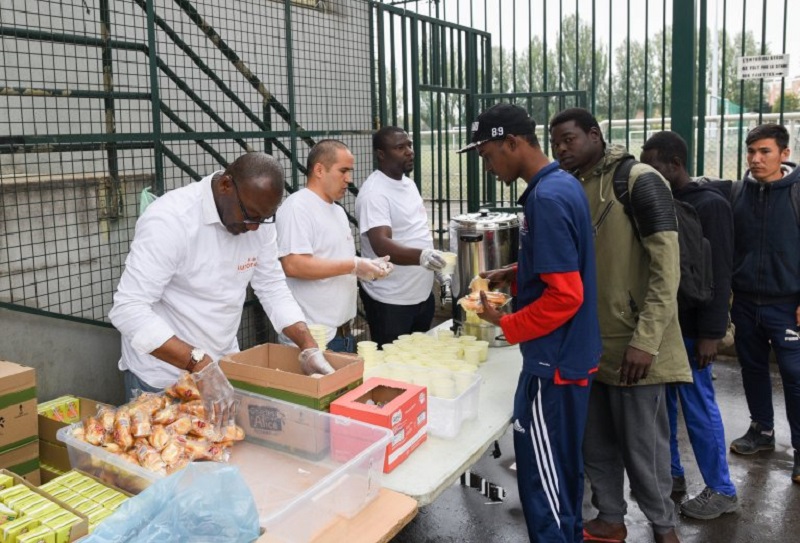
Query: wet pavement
{"type": "Point", "coordinates": [769, 502]}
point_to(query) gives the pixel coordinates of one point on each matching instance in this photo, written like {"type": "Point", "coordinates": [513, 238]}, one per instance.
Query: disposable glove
{"type": "Point", "coordinates": [370, 270]}
{"type": "Point", "coordinates": [217, 395]}
{"type": "Point", "coordinates": [445, 283]}
{"type": "Point", "coordinates": [432, 259]}
{"type": "Point", "coordinates": [313, 361]}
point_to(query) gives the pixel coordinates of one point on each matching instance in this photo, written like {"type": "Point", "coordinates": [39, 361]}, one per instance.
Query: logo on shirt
{"type": "Point", "coordinates": [792, 335]}
{"type": "Point", "coordinates": [518, 427]}
{"type": "Point", "coordinates": [523, 229]}
{"type": "Point", "coordinates": [249, 263]}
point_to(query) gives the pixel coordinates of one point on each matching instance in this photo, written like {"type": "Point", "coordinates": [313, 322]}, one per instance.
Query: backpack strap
{"type": "Point", "coordinates": [736, 192]}
{"type": "Point", "coordinates": [795, 193]}
{"type": "Point", "coordinates": [620, 183]}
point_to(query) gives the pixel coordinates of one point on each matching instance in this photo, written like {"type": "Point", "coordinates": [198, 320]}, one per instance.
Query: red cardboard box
{"type": "Point", "coordinates": [401, 407]}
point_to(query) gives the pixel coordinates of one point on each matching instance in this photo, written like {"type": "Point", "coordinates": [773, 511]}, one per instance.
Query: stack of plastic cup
{"type": "Point", "coordinates": [368, 350]}
{"type": "Point", "coordinates": [472, 354]}
{"type": "Point", "coordinates": [320, 334]}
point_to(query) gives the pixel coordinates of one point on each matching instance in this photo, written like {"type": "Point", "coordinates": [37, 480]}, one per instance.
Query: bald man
{"type": "Point", "coordinates": [179, 302]}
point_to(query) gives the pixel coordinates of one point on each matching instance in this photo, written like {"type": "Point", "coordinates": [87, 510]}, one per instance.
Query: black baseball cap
{"type": "Point", "coordinates": [500, 121]}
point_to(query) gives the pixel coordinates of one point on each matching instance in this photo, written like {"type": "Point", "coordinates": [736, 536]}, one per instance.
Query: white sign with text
{"type": "Point", "coordinates": [762, 66]}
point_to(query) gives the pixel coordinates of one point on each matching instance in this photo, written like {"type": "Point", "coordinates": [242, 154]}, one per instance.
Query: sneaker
{"type": "Point", "coordinates": [605, 532]}
{"type": "Point", "coordinates": [709, 504]}
{"type": "Point", "coordinates": [678, 484]}
{"type": "Point", "coordinates": [796, 470]}
{"type": "Point", "coordinates": [756, 439]}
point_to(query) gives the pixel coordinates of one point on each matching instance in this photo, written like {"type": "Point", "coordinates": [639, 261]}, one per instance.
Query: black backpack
{"type": "Point", "coordinates": [696, 286]}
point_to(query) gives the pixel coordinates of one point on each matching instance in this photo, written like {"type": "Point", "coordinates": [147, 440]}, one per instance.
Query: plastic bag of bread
{"type": "Point", "coordinates": [184, 389]}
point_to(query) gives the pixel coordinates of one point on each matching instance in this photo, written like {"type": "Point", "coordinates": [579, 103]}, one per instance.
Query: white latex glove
{"type": "Point", "coordinates": [432, 259]}
{"type": "Point", "coordinates": [370, 270]}
{"type": "Point", "coordinates": [445, 282]}
{"type": "Point", "coordinates": [313, 361]}
{"type": "Point", "coordinates": [217, 395]}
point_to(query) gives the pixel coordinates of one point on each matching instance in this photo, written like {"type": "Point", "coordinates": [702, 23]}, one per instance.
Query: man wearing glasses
{"type": "Point", "coordinates": [316, 247]}
{"type": "Point", "coordinates": [179, 301]}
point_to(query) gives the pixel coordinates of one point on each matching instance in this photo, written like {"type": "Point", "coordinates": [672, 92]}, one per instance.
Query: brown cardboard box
{"type": "Point", "coordinates": [78, 530]}
{"type": "Point", "coordinates": [274, 370]}
{"type": "Point", "coordinates": [288, 427]}
{"type": "Point", "coordinates": [46, 474]}
{"type": "Point", "coordinates": [54, 455]}
{"type": "Point", "coordinates": [49, 427]}
{"type": "Point", "coordinates": [24, 461]}
{"type": "Point", "coordinates": [18, 424]}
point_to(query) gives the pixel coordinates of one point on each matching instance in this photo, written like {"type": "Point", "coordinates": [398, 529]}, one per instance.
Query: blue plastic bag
{"type": "Point", "coordinates": [206, 502]}
{"type": "Point", "coordinates": [145, 199]}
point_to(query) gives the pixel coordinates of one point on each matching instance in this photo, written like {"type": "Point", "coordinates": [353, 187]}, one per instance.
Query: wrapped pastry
{"type": "Point", "coordinates": [179, 464]}
{"type": "Point", "coordinates": [79, 433]}
{"type": "Point", "coordinates": [140, 421]}
{"type": "Point", "coordinates": [167, 415]}
{"type": "Point", "coordinates": [150, 458]}
{"type": "Point", "coordinates": [105, 415]}
{"type": "Point", "coordinates": [194, 408]}
{"type": "Point", "coordinates": [173, 452]}
{"type": "Point", "coordinates": [159, 437]}
{"type": "Point", "coordinates": [122, 429]}
{"type": "Point", "coordinates": [181, 426]}
{"type": "Point", "coordinates": [185, 389]}
{"type": "Point", "coordinates": [198, 449]}
{"type": "Point", "coordinates": [94, 432]}
{"type": "Point", "coordinates": [112, 447]}
{"type": "Point", "coordinates": [232, 433]}
{"type": "Point", "coordinates": [149, 402]}
{"type": "Point", "coordinates": [201, 428]}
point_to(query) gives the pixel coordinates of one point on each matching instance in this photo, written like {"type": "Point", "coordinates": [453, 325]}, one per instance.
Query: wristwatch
{"type": "Point", "coordinates": [195, 358]}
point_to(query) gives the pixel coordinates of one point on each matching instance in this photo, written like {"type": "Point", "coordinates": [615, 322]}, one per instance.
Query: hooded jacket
{"type": "Point", "coordinates": [637, 279]}
{"type": "Point", "coordinates": [766, 258]}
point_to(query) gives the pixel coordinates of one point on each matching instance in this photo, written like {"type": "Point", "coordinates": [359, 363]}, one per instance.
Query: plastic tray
{"type": "Point", "coordinates": [445, 416]}
{"type": "Point", "coordinates": [298, 487]}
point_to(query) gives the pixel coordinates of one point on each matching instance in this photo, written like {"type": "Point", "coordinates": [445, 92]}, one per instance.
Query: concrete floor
{"type": "Point", "coordinates": [769, 501]}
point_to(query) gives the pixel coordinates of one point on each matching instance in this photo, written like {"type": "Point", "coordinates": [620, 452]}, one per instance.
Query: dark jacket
{"type": "Point", "coordinates": [766, 257]}
{"type": "Point", "coordinates": [711, 320]}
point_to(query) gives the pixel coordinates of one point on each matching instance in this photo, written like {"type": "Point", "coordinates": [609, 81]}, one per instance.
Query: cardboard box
{"type": "Point", "coordinates": [54, 455]}
{"type": "Point", "coordinates": [274, 370]}
{"type": "Point", "coordinates": [46, 474]}
{"type": "Point", "coordinates": [284, 426]}
{"type": "Point", "coordinates": [78, 530]}
{"type": "Point", "coordinates": [17, 406]}
{"type": "Point", "coordinates": [24, 461]}
{"type": "Point", "coordinates": [401, 407]}
{"type": "Point", "coordinates": [49, 427]}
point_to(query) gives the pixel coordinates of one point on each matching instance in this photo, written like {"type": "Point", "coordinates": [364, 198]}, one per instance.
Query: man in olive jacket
{"type": "Point", "coordinates": [637, 275]}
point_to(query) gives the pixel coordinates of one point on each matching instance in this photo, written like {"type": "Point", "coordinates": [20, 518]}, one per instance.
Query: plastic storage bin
{"type": "Point", "coordinates": [448, 411]}
{"type": "Point", "coordinates": [298, 487]}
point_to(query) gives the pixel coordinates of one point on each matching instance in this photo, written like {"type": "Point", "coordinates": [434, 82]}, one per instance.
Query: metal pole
{"type": "Point", "coordinates": [155, 99]}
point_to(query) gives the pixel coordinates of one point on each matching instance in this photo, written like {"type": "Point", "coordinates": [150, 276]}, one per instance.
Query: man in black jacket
{"type": "Point", "coordinates": [766, 287]}
{"type": "Point", "coordinates": [702, 327]}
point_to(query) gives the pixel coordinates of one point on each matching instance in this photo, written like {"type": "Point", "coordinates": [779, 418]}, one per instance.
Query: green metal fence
{"type": "Point", "coordinates": [647, 65]}
{"type": "Point", "coordinates": [102, 98]}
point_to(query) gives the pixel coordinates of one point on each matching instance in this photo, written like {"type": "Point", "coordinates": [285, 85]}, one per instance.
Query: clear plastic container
{"type": "Point", "coordinates": [299, 488]}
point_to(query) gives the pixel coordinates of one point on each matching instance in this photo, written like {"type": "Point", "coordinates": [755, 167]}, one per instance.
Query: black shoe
{"type": "Point", "coordinates": [756, 439]}
{"type": "Point", "coordinates": [678, 484]}
{"type": "Point", "coordinates": [796, 470]}
{"type": "Point", "coordinates": [709, 505]}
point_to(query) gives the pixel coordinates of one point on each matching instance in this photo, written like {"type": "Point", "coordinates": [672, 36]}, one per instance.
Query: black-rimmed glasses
{"type": "Point", "coordinates": [247, 218]}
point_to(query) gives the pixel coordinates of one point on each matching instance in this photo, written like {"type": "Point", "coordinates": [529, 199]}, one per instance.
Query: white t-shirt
{"type": "Point", "coordinates": [307, 224]}
{"type": "Point", "coordinates": [383, 201]}
{"type": "Point", "coordinates": [187, 276]}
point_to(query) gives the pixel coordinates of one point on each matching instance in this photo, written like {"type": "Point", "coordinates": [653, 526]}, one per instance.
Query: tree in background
{"type": "Point", "coordinates": [790, 100]}
{"type": "Point", "coordinates": [748, 93]}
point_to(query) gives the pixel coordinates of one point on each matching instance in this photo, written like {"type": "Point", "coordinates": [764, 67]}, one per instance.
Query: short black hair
{"type": "Point", "coordinates": [379, 137]}
{"type": "Point", "coordinates": [668, 145]}
{"type": "Point", "coordinates": [582, 117]}
{"type": "Point", "coordinates": [772, 131]}
{"type": "Point", "coordinates": [323, 152]}
{"type": "Point", "coordinates": [253, 165]}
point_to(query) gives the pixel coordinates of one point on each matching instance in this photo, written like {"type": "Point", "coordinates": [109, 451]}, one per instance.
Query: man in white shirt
{"type": "Point", "coordinates": [393, 222]}
{"type": "Point", "coordinates": [316, 248]}
{"type": "Point", "coordinates": [179, 302]}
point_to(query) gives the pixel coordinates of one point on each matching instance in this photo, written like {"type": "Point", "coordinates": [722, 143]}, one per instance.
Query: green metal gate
{"type": "Point", "coordinates": [429, 73]}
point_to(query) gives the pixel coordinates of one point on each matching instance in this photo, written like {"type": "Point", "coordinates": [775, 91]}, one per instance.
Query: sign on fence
{"type": "Point", "coordinates": [762, 66]}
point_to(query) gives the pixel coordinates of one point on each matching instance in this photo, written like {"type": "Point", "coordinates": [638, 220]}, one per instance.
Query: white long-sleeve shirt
{"type": "Point", "coordinates": [187, 276]}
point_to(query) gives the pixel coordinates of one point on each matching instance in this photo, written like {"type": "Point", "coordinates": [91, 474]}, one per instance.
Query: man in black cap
{"type": "Point", "coordinates": [555, 321]}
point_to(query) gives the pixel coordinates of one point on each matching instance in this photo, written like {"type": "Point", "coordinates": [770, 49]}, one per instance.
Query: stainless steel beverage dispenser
{"type": "Point", "coordinates": [483, 241]}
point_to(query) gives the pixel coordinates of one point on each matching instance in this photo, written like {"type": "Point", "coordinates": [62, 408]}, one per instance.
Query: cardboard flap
{"type": "Point", "coordinates": [15, 377]}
